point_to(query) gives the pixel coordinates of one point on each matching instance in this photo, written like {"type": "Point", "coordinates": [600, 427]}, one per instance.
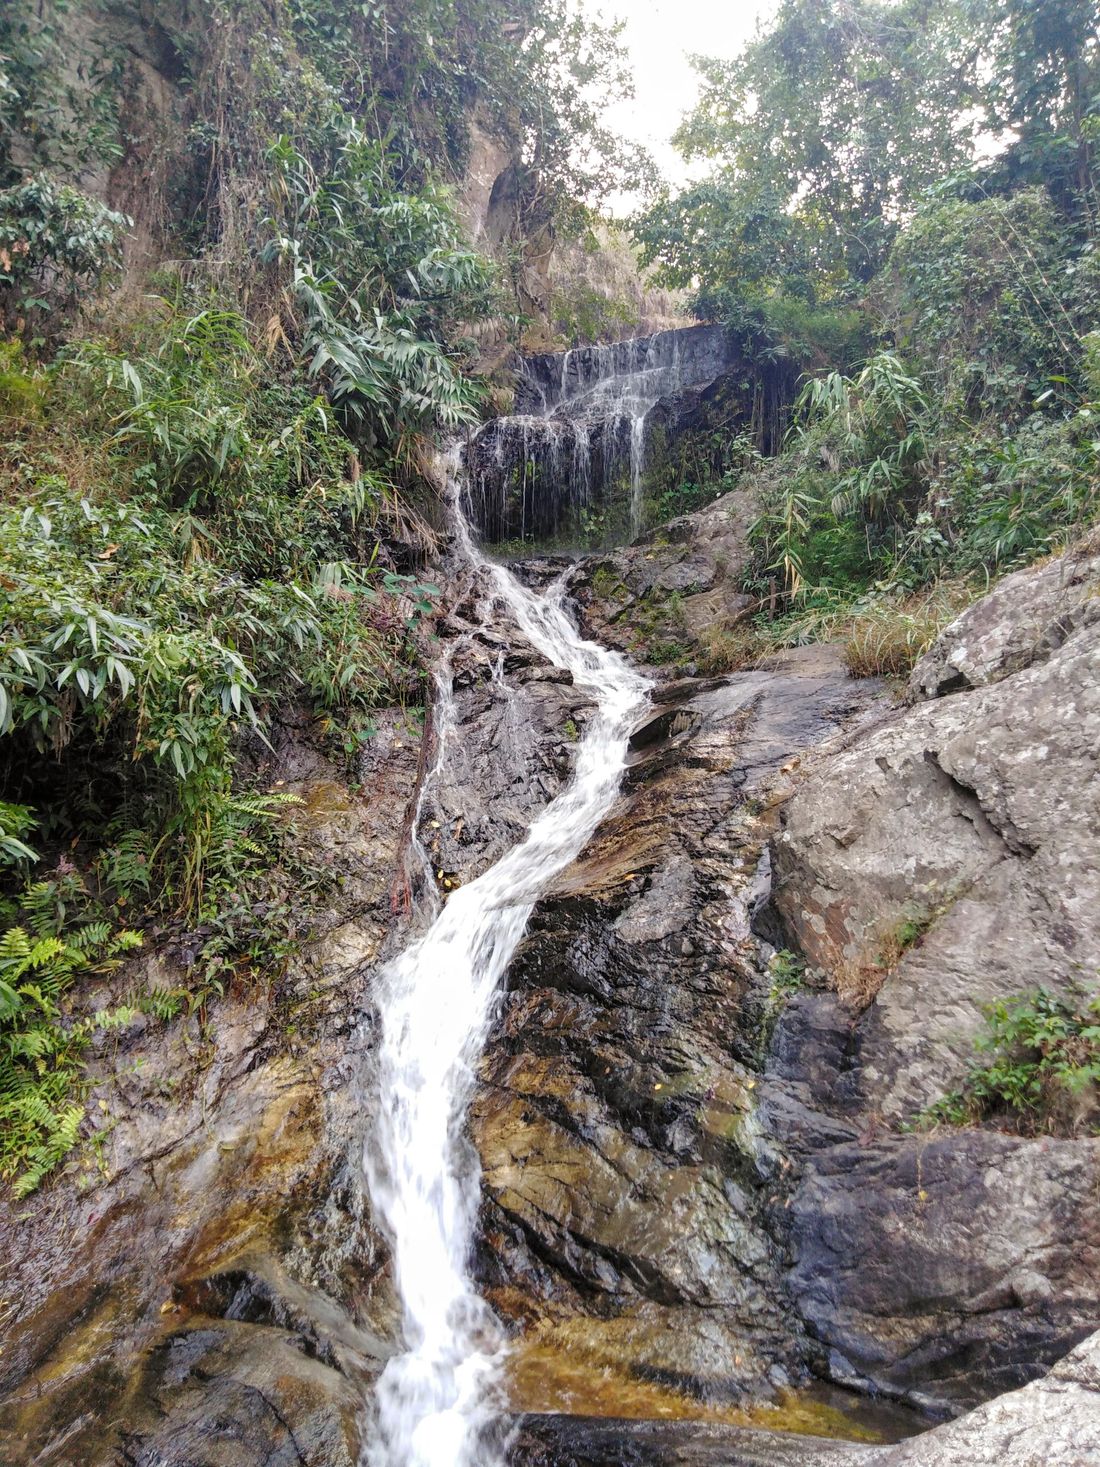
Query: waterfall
{"type": "Point", "coordinates": [437, 1399]}
{"type": "Point", "coordinates": [589, 406]}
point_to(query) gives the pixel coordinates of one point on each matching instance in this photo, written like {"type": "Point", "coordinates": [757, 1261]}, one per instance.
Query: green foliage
{"type": "Point", "coordinates": [55, 244]}
{"type": "Point", "coordinates": [41, 1045]}
{"type": "Point", "coordinates": [583, 313]}
{"type": "Point", "coordinates": [541, 71]}
{"type": "Point", "coordinates": [787, 972]}
{"type": "Point", "coordinates": [1043, 63]}
{"type": "Point", "coordinates": [58, 92]}
{"type": "Point", "coordinates": [982, 307]}
{"type": "Point", "coordinates": [16, 823]}
{"type": "Point", "coordinates": [872, 432]}
{"type": "Point", "coordinates": [379, 276]}
{"type": "Point", "coordinates": [882, 484]}
{"type": "Point", "coordinates": [1041, 1068]}
{"type": "Point", "coordinates": [820, 132]}
{"type": "Point", "coordinates": [21, 388]}
{"type": "Point", "coordinates": [221, 559]}
{"type": "Point", "coordinates": [996, 502]}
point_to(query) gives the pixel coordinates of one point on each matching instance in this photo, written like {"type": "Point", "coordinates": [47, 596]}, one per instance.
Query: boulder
{"type": "Point", "coordinates": [971, 822]}
{"type": "Point", "coordinates": [1053, 1422]}
{"type": "Point", "coordinates": [942, 860]}
{"type": "Point", "coordinates": [1024, 619]}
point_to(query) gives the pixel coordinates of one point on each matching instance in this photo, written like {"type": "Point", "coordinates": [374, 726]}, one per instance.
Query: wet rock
{"type": "Point", "coordinates": [591, 1442]}
{"type": "Point", "coordinates": [673, 584]}
{"type": "Point", "coordinates": [626, 1200]}
{"type": "Point", "coordinates": [951, 1268]}
{"type": "Point", "coordinates": [220, 1392]}
{"type": "Point", "coordinates": [209, 1292]}
{"type": "Point", "coordinates": [694, 1184]}
{"type": "Point", "coordinates": [1054, 1421]}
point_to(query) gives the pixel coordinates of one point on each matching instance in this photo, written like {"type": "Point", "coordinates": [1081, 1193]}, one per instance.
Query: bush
{"type": "Point", "coordinates": [981, 303]}
{"type": "Point", "coordinates": [220, 558]}
{"type": "Point", "coordinates": [886, 636]}
{"type": "Point", "coordinates": [56, 245]}
{"type": "Point", "coordinates": [1042, 1070]}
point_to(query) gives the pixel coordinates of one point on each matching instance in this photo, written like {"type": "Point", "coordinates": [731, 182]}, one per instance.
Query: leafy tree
{"type": "Point", "coordinates": [55, 243]}
{"type": "Point", "coordinates": [981, 296]}
{"type": "Point", "coordinates": [820, 135]}
{"type": "Point", "coordinates": [537, 73]}
{"type": "Point", "coordinates": [1043, 59]}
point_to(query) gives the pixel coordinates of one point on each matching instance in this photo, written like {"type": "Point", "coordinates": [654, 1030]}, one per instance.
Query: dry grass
{"type": "Point", "coordinates": [886, 638]}
{"type": "Point", "coordinates": [882, 636]}
{"type": "Point", "coordinates": [730, 646]}
{"type": "Point", "coordinates": [859, 981]}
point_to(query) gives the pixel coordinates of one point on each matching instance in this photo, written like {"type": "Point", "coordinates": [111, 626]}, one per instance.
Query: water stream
{"type": "Point", "coordinates": [436, 1400]}
{"type": "Point", "coordinates": [578, 437]}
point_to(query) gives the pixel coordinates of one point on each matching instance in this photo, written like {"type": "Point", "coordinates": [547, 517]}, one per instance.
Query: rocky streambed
{"type": "Point", "coordinates": [702, 1221]}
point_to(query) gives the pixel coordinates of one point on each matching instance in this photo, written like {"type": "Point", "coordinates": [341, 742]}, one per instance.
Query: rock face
{"type": "Point", "coordinates": [697, 1194]}
{"type": "Point", "coordinates": [655, 600]}
{"type": "Point", "coordinates": [1054, 1422]}
{"type": "Point", "coordinates": [192, 1299]}
{"type": "Point", "coordinates": [1024, 619]}
{"type": "Point", "coordinates": [950, 1266]}
{"type": "Point", "coordinates": [626, 1211]}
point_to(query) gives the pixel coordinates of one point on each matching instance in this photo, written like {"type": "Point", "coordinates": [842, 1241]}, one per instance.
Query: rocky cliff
{"type": "Point", "coordinates": [699, 1201]}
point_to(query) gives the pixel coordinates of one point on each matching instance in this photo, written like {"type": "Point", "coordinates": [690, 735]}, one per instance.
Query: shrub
{"type": "Point", "coordinates": [981, 301]}
{"type": "Point", "coordinates": [220, 559]}
{"type": "Point", "coordinates": [56, 244]}
{"type": "Point", "coordinates": [1041, 1071]}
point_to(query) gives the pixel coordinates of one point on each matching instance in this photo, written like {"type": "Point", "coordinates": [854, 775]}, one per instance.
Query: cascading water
{"type": "Point", "coordinates": [436, 1401]}
{"type": "Point", "coordinates": [578, 436]}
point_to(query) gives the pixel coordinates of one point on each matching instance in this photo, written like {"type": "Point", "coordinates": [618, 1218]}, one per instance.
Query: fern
{"type": "Point", "coordinates": [41, 1068]}
{"type": "Point", "coordinates": [164, 1003]}
{"type": "Point", "coordinates": [125, 865]}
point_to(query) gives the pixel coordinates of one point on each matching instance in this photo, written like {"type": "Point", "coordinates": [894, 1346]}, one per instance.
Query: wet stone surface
{"type": "Point", "coordinates": [694, 1179]}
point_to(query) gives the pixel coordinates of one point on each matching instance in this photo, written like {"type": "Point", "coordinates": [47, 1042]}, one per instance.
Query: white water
{"type": "Point", "coordinates": [615, 387]}
{"type": "Point", "coordinates": [438, 1398]}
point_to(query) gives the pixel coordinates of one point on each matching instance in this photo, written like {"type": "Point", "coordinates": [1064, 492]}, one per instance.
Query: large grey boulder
{"type": "Point", "coordinates": [1024, 619]}
{"type": "Point", "coordinates": [977, 815]}
{"type": "Point", "coordinates": [944, 859]}
{"type": "Point", "coordinates": [1053, 1422]}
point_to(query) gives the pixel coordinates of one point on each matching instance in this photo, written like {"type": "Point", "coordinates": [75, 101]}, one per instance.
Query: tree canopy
{"type": "Point", "coordinates": [842, 115]}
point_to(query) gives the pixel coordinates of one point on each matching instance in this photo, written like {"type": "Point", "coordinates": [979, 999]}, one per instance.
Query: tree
{"type": "Point", "coordinates": [820, 134]}
{"type": "Point", "coordinates": [540, 71]}
{"type": "Point", "coordinates": [1043, 58]}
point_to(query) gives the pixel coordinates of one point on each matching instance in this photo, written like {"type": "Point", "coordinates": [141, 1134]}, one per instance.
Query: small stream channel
{"type": "Point", "coordinates": [435, 1400]}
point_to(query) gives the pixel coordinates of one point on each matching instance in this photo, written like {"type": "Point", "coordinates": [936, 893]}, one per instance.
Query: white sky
{"type": "Point", "coordinates": [659, 36]}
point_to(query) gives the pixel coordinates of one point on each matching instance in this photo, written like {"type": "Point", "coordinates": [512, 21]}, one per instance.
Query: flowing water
{"type": "Point", "coordinates": [436, 1399]}
{"type": "Point", "coordinates": [578, 437]}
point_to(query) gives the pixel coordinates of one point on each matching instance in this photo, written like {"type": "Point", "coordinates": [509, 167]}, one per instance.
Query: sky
{"type": "Point", "coordinates": [659, 36]}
